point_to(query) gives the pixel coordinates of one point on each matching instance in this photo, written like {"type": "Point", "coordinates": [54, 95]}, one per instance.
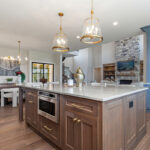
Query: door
{"type": "Point", "coordinates": [70, 131]}
{"type": "Point", "coordinates": [141, 112]}
{"type": "Point", "coordinates": [130, 120]}
{"type": "Point", "coordinates": [97, 74]}
{"type": "Point", "coordinates": [86, 133]}
{"type": "Point", "coordinates": [42, 70]}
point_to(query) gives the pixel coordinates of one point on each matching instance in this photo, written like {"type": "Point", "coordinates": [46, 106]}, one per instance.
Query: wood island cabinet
{"type": "Point", "coordinates": [130, 121]}
{"type": "Point", "coordinates": [31, 108]}
{"type": "Point", "coordinates": [124, 122]}
{"type": "Point", "coordinates": [79, 129]}
{"type": "Point", "coordinates": [50, 130]}
{"type": "Point", "coordinates": [84, 124]}
{"type": "Point", "coordinates": [113, 127]}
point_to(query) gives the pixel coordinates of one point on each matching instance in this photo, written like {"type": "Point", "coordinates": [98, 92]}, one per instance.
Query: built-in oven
{"type": "Point", "coordinates": [48, 105]}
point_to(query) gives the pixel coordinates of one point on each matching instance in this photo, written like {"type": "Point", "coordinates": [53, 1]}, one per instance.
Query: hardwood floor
{"type": "Point", "coordinates": [17, 136]}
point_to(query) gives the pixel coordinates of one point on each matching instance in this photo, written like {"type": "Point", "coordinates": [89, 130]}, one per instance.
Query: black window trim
{"type": "Point", "coordinates": [43, 68]}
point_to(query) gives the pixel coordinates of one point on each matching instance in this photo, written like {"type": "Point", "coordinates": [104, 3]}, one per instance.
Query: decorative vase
{"type": "Point", "coordinates": [79, 77]}
{"type": "Point", "coordinates": [19, 79]}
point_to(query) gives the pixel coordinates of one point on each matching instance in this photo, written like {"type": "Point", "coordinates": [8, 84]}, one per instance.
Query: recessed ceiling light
{"type": "Point", "coordinates": [78, 37]}
{"type": "Point", "coordinates": [115, 23]}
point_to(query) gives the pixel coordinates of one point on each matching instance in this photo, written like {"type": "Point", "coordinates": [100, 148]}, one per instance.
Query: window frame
{"type": "Point", "coordinates": [43, 69]}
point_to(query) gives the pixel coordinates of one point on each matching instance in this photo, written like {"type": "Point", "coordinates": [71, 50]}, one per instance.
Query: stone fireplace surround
{"type": "Point", "coordinates": [128, 49]}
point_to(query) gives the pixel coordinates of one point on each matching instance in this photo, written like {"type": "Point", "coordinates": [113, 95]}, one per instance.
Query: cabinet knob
{"type": "Point", "coordinates": [75, 119]}
{"type": "Point", "coordinates": [78, 121]}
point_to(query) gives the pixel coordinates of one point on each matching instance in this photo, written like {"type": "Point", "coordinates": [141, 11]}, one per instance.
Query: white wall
{"type": "Point", "coordinates": [108, 53]}
{"type": "Point", "coordinates": [34, 56]}
{"type": "Point", "coordinates": [87, 59]}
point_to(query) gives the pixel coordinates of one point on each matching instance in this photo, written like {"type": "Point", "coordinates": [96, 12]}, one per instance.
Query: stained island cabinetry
{"type": "Point", "coordinates": [108, 123]}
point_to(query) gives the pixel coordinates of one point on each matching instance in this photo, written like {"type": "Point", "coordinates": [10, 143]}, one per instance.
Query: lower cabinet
{"type": "Point", "coordinates": [87, 133]}
{"type": "Point", "coordinates": [31, 108]}
{"type": "Point", "coordinates": [113, 128]}
{"type": "Point", "coordinates": [89, 125]}
{"type": "Point", "coordinates": [130, 121]}
{"type": "Point", "coordinates": [50, 130]}
{"type": "Point", "coordinates": [80, 131]}
{"type": "Point", "coordinates": [141, 111]}
{"type": "Point", "coordinates": [124, 122]}
{"type": "Point", "coordinates": [46, 127]}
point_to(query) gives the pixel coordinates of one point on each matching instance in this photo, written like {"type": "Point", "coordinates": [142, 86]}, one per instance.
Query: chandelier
{"type": "Point", "coordinates": [19, 54]}
{"type": "Point", "coordinates": [60, 42]}
{"type": "Point", "coordinates": [91, 32]}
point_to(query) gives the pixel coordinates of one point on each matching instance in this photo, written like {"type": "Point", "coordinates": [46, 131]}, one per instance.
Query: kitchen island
{"type": "Point", "coordinates": [88, 118]}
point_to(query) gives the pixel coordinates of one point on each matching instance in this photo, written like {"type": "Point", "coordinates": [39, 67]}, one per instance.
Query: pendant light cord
{"type": "Point", "coordinates": [19, 47]}
{"type": "Point", "coordinates": [60, 23]}
{"type": "Point", "coordinates": [92, 11]}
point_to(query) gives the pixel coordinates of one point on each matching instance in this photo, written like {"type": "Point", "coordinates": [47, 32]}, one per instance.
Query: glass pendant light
{"type": "Point", "coordinates": [91, 33]}
{"type": "Point", "coordinates": [60, 42]}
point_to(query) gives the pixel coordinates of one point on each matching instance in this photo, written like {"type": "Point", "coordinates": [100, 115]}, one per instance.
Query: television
{"type": "Point", "coordinates": [125, 65]}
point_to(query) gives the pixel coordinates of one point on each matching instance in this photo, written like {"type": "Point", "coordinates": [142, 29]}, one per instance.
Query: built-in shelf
{"type": "Point", "coordinates": [109, 72]}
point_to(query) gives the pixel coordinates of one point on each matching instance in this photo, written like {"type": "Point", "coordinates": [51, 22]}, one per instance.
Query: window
{"type": "Point", "coordinates": [42, 70]}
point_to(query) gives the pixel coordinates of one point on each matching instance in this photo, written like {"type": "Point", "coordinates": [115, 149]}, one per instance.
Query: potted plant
{"type": "Point", "coordinates": [9, 80]}
{"type": "Point", "coordinates": [21, 75]}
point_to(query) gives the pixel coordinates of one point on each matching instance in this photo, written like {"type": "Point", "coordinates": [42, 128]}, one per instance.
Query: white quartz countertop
{"type": "Point", "coordinates": [97, 93]}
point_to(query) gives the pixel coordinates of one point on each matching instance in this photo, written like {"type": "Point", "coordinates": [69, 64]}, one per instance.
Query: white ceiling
{"type": "Point", "coordinates": [35, 22]}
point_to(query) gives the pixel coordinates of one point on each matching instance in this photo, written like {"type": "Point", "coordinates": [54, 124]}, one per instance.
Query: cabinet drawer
{"type": "Point", "coordinates": [31, 95]}
{"type": "Point", "coordinates": [81, 105]}
{"type": "Point", "coordinates": [50, 129]}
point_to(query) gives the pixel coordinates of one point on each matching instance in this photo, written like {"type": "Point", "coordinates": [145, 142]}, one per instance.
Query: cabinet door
{"type": "Point", "coordinates": [86, 133]}
{"type": "Point", "coordinates": [31, 108]}
{"type": "Point", "coordinates": [70, 128]}
{"type": "Point", "coordinates": [130, 120]}
{"type": "Point", "coordinates": [113, 133]}
{"type": "Point", "coordinates": [141, 112]}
